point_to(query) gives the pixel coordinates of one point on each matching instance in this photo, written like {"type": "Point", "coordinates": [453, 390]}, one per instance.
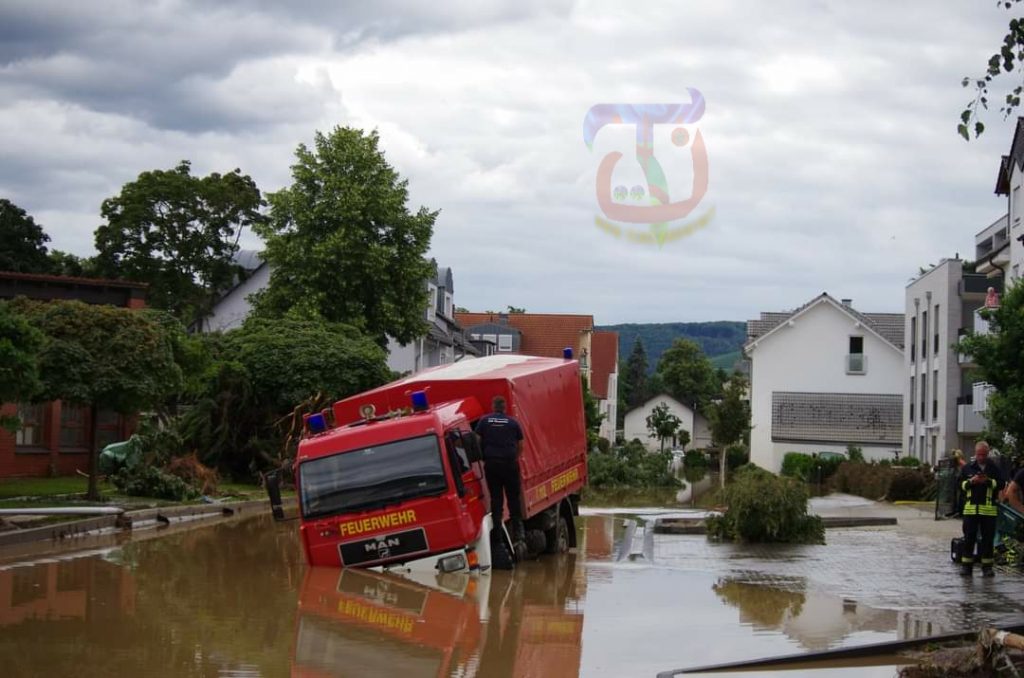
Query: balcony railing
{"type": "Point", "coordinates": [980, 324]}
{"type": "Point", "coordinates": [979, 394]}
{"type": "Point", "coordinates": [969, 421]}
{"type": "Point", "coordinates": [856, 363]}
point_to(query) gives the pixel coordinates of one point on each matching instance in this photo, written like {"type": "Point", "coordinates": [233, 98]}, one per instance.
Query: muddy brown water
{"type": "Point", "coordinates": [235, 599]}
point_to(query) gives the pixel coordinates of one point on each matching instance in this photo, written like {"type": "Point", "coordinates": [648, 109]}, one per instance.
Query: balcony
{"type": "Point", "coordinates": [975, 285]}
{"type": "Point", "coordinates": [969, 421]}
{"type": "Point", "coordinates": [856, 363]}
{"type": "Point", "coordinates": [979, 395]}
{"type": "Point", "coordinates": [993, 243]}
{"type": "Point", "coordinates": [981, 325]}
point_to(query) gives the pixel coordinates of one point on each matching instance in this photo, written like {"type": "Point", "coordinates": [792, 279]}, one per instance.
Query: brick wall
{"type": "Point", "coordinates": [49, 458]}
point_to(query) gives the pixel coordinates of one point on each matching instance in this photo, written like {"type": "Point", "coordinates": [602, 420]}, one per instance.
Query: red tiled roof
{"type": "Point", "coordinates": [72, 280]}
{"type": "Point", "coordinates": [604, 356]}
{"type": "Point", "coordinates": [543, 334]}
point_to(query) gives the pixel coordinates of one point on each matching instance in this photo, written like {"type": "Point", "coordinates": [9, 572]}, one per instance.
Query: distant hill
{"type": "Point", "coordinates": [720, 340]}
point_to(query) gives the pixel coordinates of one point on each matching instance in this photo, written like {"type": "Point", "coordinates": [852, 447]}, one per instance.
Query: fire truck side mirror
{"type": "Point", "coordinates": [273, 484]}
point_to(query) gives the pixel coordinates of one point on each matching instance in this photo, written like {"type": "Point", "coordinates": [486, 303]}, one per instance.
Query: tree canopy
{"type": "Point", "coordinates": [1007, 60]}
{"type": "Point", "coordinates": [19, 364]}
{"type": "Point", "coordinates": [263, 376]}
{"type": "Point", "coordinates": [22, 241]}
{"type": "Point", "coordinates": [178, 233]}
{"type": "Point", "coordinates": [729, 418]}
{"type": "Point", "coordinates": [1000, 362]}
{"type": "Point", "coordinates": [687, 374]}
{"type": "Point", "coordinates": [634, 377]}
{"type": "Point", "coordinates": [101, 356]}
{"type": "Point", "coordinates": [342, 244]}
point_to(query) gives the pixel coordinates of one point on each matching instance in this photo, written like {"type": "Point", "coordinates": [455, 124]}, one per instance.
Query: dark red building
{"type": "Point", "coordinates": [54, 437]}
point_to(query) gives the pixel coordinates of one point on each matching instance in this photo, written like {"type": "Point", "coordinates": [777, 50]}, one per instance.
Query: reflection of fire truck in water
{"type": "Point", "coordinates": [363, 623]}
{"type": "Point", "coordinates": [396, 478]}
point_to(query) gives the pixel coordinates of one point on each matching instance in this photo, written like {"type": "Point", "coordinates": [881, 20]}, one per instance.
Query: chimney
{"type": "Point", "coordinates": [848, 303]}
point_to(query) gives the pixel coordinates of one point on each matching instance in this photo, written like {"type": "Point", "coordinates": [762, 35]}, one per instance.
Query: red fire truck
{"type": "Point", "coordinates": [393, 475]}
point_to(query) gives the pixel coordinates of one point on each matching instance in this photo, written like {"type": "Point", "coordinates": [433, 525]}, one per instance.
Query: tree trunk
{"type": "Point", "coordinates": [722, 466]}
{"type": "Point", "coordinates": [94, 490]}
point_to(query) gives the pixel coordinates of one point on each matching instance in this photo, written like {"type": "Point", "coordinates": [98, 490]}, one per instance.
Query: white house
{"type": "Point", "coordinates": [1009, 183]}
{"type": "Point", "coordinates": [694, 423]}
{"type": "Point", "coordinates": [445, 342]}
{"type": "Point", "coordinates": [823, 377]}
{"type": "Point", "coordinates": [234, 307]}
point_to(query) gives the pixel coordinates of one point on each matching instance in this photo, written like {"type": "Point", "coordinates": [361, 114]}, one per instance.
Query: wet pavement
{"type": "Point", "coordinates": [235, 599]}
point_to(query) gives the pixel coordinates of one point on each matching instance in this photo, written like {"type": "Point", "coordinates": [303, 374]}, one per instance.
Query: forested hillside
{"type": "Point", "coordinates": [716, 338]}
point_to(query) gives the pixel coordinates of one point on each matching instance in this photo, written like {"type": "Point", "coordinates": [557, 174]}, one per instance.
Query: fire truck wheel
{"type": "Point", "coordinates": [558, 537]}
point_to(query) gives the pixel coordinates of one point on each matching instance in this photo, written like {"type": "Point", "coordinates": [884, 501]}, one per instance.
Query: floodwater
{"type": "Point", "coordinates": [235, 599]}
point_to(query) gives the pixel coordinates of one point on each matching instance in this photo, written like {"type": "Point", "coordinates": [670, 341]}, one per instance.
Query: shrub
{"type": "Point", "coordinates": [736, 456]}
{"type": "Point", "coordinates": [870, 481]}
{"type": "Point", "coordinates": [907, 485]}
{"type": "Point", "coordinates": [765, 508]}
{"type": "Point", "coordinates": [630, 466]}
{"type": "Point", "coordinates": [797, 465]}
{"type": "Point", "coordinates": [695, 458]}
{"type": "Point", "coordinates": [148, 481]}
{"type": "Point", "coordinates": [193, 472]}
{"type": "Point", "coordinates": [855, 453]}
{"type": "Point", "coordinates": [911, 462]}
{"type": "Point", "coordinates": [603, 445]}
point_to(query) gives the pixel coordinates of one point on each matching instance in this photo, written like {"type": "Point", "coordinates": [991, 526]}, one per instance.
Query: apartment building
{"type": "Point", "coordinates": [939, 414]}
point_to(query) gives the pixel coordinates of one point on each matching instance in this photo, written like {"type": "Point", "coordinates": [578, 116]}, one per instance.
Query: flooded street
{"type": "Point", "coordinates": [236, 599]}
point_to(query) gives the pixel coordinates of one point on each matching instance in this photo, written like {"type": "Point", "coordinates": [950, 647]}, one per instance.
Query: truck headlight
{"type": "Point", "coordinates": [452, 563]}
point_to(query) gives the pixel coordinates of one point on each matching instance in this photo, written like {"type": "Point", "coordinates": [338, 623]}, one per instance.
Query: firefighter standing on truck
{"type": "Point", "coordinates": [501, 440]}
{"type": "Point", "coordinates": [981, 481]}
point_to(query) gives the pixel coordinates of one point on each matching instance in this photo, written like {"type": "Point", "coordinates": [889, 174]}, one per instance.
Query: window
{"type": "Point", "coordinates": [911, 399]}
{"type": "Point", "coordinates": [32, 431]}
{"type": "Point", "coordinates": [1015, 206]}
{"type": "Point", "coordinates": [924, 396]}
{"type": "Point", "coordinates": [910, 445]}
{"type": "Point", "coordinates": [109, 425]}
{"type": "Point", "coordinates": [911, 413]}
{"type": "Point", "coordinates": [856, 344]}
{"type": "Point", "coordinates": [856, 362]}
{"type": "Point", "coordinates": [935, 348]}
{"type": "Point", "coordinates": [924, 335]}
{"type": "Point", "coordinates": [935, 395]}
{"type": "Point", "coordinates": [913, 339]}
{"type": "Point", "coordinates": [505, 342]}
{"type": "Point", "coordinates": [493, 338]}
{"type": "Point", "coordinates": [74, 427]}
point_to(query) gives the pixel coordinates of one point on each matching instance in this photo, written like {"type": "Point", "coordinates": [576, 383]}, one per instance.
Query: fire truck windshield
{"type": "Point", "coordinates": [372, 477]}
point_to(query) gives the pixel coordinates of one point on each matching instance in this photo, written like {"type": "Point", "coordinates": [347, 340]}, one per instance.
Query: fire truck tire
{"type": "Point", "coordinates": [558, 536]}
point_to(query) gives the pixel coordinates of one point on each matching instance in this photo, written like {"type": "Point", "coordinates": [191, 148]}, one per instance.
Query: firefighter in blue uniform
{"type": "Point", "coordinates": [981, 482]}
{"type": "Point", "coordinates": [501, 440]}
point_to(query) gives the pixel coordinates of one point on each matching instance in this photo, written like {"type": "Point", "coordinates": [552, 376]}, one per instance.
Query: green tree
{"type": "Point", "coordinates": [178, 233]}
{"type": "Point", "coordinates": [103, 357]}
{"type": "Point", "coordinates": [1007, 60]}
{"type": "Point", "coordinates": [634, 377]}
{"type": "Point", "coordinates": [263, 376]}
{"type": "Point", "coordinates": [342, 243]}
{"type": "Point", "coordinates": [65, 263]}
{"type": "Point", "coordinates": [1000, 362]}
{"type": "Point", "coordinates": [19, 361]}
{"type": "Point", "coordinates": [22, 241]}
{"type": "Point", "coordinates": [664, 425]}
{"type": "Point", "coordinates": [591, 415]}
{"type": "Point", "coordinates": [729, 419]}
{"type": "Point", "coordinates": [687, 374]}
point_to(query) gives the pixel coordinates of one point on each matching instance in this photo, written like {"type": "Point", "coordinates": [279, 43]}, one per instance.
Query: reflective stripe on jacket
{"type": "Point", "coordinates": [981, 498]}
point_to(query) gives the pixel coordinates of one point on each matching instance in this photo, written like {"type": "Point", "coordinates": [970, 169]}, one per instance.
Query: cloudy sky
{"type": "Point", "coordinates": [833, 161]}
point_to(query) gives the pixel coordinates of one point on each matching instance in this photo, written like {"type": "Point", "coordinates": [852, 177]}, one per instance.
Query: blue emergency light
{"type": "Point", "coordinates": [567, 353]}
{"type": "Point", "coordinates": [419, 401]}
{"type": "Point", "coordinates": [316, 423]}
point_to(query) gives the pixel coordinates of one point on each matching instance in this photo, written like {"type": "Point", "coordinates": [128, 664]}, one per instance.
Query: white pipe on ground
{"type": "Point", "coordinates": [64, 511]}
